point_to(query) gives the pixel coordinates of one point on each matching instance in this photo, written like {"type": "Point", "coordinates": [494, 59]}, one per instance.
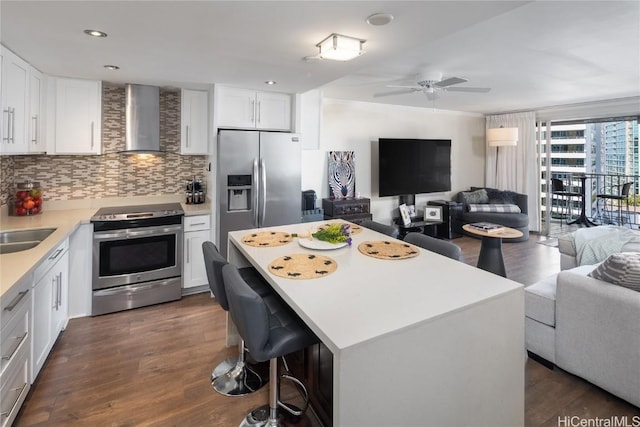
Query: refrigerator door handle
{"type": "Point", "coordinates": [263, 190]}
{"type": "Point", "coordinates": [256, 192]}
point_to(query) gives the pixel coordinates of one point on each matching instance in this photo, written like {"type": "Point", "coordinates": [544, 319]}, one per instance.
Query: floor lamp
{"type": "Point", "coordinates": [501, 137]}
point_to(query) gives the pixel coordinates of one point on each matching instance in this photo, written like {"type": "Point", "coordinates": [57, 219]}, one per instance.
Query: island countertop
{"type": "Point", "coordinates": [420, 340]}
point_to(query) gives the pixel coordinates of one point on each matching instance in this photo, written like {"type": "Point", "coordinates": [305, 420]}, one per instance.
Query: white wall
{"type": "Point", "coordinates": [356, 126]}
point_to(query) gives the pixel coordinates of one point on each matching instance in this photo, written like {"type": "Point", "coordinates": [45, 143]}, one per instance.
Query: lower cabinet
{"type": "Point", "coordinates": [50, 301]}
{"type": "Point", "coordinates": [315, 366]}
{"type": "Point", "coordinates": [197, 229]}
{"type": "Point", "coordinates": [15, 349]}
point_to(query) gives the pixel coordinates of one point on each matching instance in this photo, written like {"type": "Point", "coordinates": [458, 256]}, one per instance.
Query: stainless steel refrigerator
{"type": "Point", "coordinates": [258, 180]}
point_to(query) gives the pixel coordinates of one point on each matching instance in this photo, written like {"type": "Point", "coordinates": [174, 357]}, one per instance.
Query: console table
{"type": "Point", "coordinates": [417, 225]}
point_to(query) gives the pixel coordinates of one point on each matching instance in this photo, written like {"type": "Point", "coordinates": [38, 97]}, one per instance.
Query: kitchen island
{"type": "Point", "coordinates": [420, 341]}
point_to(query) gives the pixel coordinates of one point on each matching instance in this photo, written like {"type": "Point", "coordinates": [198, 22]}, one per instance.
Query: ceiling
{"type": "Point", "coordinates": [531, 54]}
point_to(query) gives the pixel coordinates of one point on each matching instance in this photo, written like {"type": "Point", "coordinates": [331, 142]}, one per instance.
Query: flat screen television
{"type": "Point", "coordinates": [413, 166]}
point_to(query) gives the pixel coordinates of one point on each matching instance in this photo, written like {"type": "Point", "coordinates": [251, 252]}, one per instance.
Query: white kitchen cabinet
{"type": "Point", "coordinates": [15, 103]}
{"type": "Point", "coordinates": [50, 301]}
{"type": "Point", "coordinates": [15, 348]}
{"type": "Point", "coordinates": [197, 229]}
{"type": "Point", "coordinates": [194, 128]}
{"type": "Point", "coordinates": [241, 108]}
{"type": "Point", "coordinates": [76, 117]}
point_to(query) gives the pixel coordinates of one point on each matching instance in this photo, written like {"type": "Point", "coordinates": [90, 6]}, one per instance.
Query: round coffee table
{"type": "Point", "coordinates": [491, 258]}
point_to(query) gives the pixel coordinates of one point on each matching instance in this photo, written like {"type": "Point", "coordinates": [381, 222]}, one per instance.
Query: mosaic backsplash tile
{"type": "Point", "coordinates": [111, 174]}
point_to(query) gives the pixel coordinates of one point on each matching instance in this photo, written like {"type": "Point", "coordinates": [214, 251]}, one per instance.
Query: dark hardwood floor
{"type": "Point", "coordinates": [151, 366]}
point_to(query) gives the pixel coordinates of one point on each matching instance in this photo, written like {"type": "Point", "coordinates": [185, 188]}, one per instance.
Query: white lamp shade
{"type": "Point", "coordinates": [340, 48]}
{"type": "Point", "coordinates": [499, 137]}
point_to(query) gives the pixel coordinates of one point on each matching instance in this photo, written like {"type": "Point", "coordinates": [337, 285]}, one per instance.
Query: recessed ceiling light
{"type": "Point", "coordinates": [111, 67]}
{"type": "Point", "coordinates": [270, 82]}
{"type": "Point", "coordinates": [378, 19]}
{"type": "Point", "coordinates": [95, 33]}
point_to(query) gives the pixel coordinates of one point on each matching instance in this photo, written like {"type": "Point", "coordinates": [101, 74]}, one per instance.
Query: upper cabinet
{"type": "Point", "coordinates": [76, 118]}
{"type": "Point", "coordinates": [194, 133]}
{"type": "Point", "coordinates": [241, 108]}
{"type": "Point", "coordinates": [21, 86]}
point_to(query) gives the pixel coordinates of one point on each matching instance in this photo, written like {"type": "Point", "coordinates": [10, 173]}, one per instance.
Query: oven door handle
{"type": "Point", "coordinates": [131, 289]}
{"type": "Point", "coordinates": [150, 231]}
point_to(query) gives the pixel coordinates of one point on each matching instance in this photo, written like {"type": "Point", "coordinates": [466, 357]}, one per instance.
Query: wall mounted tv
{"type": "Point", "coordinates": [413, 166]}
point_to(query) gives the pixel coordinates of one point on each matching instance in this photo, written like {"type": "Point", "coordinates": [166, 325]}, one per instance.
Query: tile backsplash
{"type": "Point", "coordinates": [111, 174]}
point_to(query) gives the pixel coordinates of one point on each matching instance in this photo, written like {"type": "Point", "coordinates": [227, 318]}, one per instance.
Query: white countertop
{"type": "Point", "coordinates": [366, 298]}
{"type": "Point", "coordinates": [15, 266]}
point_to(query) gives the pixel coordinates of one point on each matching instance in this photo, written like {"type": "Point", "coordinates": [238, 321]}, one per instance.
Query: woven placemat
{"type": "Point", "coordinates": [267, 238]}
{"type": "Point", "coordinates": [303, 266]}
{"type": "Point", "coordinates": [388, 250]}
{"type": "Point", "coordinates": [353, 228]}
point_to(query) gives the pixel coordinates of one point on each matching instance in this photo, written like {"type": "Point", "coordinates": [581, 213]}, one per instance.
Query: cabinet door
{"type": "Point", "coordinates": [60, 302]}
{"type": "Point", "coordinates": [195, 273]}
{"type": "Point", "coordinates": [273, 111]}
{"type": "Point", "coordinates": [78, 117]}
{"type": "Point", "coordinates": [194, 133]}
{"type": "Point", "coordinates": [36, 143]}
{"type": "Point", "coordinates": [15, 101]}
{"type": "Point", "coordinates": [236, 108]}
{"type": "Point", "coordinates": [43, 307]}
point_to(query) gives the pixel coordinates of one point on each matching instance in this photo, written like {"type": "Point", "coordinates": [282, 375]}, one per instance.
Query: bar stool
{"type": "Point", "coordinates": [231, 377]}
{"type": "Point", "coordinates": [557, 188]}
{"type": "Point", "coordinates": [622, 196]}
{"type": "Point", "coordinates": [270, 331]}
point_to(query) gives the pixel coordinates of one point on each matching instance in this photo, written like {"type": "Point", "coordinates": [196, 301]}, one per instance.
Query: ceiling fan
{"type": "Point", "coordinates": [430, 84]}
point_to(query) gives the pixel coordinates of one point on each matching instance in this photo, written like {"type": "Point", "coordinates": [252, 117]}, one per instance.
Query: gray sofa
{"type": "Point", "coordinates": [491, 196]}
{"type": "Point", "coordinates": [586, 326]}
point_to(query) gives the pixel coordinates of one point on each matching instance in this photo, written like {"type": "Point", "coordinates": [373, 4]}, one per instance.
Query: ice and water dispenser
{"type": "Point", "coordinates": [239, 192]}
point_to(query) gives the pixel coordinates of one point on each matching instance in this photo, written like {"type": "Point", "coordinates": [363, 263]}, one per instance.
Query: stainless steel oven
{"type": "Point", "coordinates": [137, 256]}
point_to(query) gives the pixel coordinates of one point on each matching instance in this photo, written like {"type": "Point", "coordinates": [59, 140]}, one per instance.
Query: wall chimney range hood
{"type": "Point", "coordinates": [142, 119]}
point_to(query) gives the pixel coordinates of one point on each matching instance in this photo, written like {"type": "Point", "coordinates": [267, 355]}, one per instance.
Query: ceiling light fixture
{"type": "Point", "coordinates": [340, 48]}
{"type": "Point", "coordinates": [378, 19]}
{"type": "Point", "coordinates": [270, 82]}
{"type": "Point", "coordinates": [111, 67]}
{"type": "Point", "coordinates": [95, 33]}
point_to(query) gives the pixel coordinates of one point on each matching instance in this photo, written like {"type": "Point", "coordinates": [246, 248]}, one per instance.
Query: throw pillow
{"type": "Point", "coordinates": [621, 269]}
{"type": "Point", "coordinates": [478, 196]}
{"type": "Point", "coordinates": [494, 207]}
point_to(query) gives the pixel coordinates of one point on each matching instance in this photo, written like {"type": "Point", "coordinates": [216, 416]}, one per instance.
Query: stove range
{"type": "Point", "coordinates": [137, 256]}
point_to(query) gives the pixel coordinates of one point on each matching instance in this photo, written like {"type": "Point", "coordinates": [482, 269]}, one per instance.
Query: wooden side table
{"type": "Point", "coordinates": [491, 258]}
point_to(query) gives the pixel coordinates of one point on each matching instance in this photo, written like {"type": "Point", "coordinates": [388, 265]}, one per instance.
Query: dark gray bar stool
{"type": "Point", "coordinates": [270, 329]}
{"type": "Point", "coordinates": [389, 230]}
{"type": "Point", "coordinates": [432, 244]}
{"type": "Point", "coordinates": [232, 377]}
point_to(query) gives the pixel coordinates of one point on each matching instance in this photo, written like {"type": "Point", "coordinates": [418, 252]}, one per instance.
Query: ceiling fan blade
{"type": "Point", "coordinates": [450, 81]}
{"type": "Point", "coordinates": [395, 92]}
{"type": "Point", "coordinates": [408, 87]}
{"type": "Point", "coordinates": [467, 89]}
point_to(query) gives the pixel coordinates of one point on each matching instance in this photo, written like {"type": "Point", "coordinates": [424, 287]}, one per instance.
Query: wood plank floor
{"type": "Point", "coordinates": [150, 366]}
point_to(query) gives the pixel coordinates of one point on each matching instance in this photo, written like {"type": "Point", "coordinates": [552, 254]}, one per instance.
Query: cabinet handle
{"type": "Point", "coordinates": [16, 300]}
{"type": "Point", "coordinates": [253, 111]}
{"type": "Point", "coordinates": [188, 250]}
{"type": "Point", "coordinates": [258, 112]}
{"type": "Point", "coordinates": [197, 223]}
{"type": "Point", "coordinates": [92, 134]}
{"type": "Point", "coordinates": [35, 129]}
{"type": "Point", "coordinates": [15, 402]}
{"type": "Point", "coordinates": [56, 254]}
{"type": "Point", "coordinates": [8, 134]}
{"type": "Point", "coordinates": [187, 130]}
{"type": "Point", "coordinates": [60, 290]}
{"type": "Point", "coordinates": [19, 340]}
{"type": "Point", "coordinates": [13, 125]}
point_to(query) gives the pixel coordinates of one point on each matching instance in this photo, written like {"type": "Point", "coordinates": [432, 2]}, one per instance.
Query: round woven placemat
{"type": "Point", "coordinates": [267, 238]}
{"type": "Point", "coordinates": [388, 250]}
{"type": "Point", "coordinates": [303, 266]}
{"type": "Point", "coordinates": [353, 228]}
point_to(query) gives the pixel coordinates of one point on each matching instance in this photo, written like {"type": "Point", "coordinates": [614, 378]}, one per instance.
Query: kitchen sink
{"type": "Point", "coordinates": [21, 240]}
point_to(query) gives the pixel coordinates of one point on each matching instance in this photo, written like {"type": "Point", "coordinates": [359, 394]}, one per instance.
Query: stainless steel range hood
{"type": "Point", "coordinates": [142, 117]}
